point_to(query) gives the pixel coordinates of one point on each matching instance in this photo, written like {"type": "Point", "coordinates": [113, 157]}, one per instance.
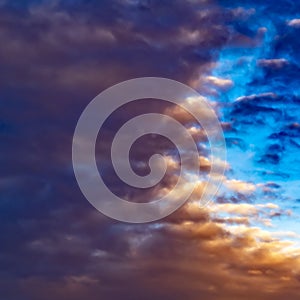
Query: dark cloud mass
{"type": "Point", "coordinates": [55, 56]}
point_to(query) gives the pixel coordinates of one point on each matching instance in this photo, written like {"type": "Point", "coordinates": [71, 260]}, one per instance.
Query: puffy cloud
{"type": "Point", "coordinates": [294, 23]}
{"type": "Point", "coordinates": [201, 256]}
{"type": "Point", "coordinates": [242, 209]}
{"type": "Point", "coordinates": [221, 83]}
{"type": "Point", "coordinates": [240, 186]}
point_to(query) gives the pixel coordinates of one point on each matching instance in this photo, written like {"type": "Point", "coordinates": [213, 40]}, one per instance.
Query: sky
{"type": "Point", "coordinates": [243, 57]}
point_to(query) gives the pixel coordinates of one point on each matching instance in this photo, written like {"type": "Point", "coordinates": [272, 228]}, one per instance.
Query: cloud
{"type": "Point", "coordinates": [242, 209]}
{"type": "Point", "coordinates": [220, 83]}
{"type": "Point", "coordinates": [264, 96]}
{"type": "Point", "coordinates": [240, 186]}
{"type": "Point", "coordinates": [294, 23]}
{"type": "Point", "coordinates": [54, 59]}
{"type": "Point", "coordinates": [273, 63]}
{"type": "Point", "coordinates": [75, 48]}
{"type": "Point", "coordinates": [201, 256]}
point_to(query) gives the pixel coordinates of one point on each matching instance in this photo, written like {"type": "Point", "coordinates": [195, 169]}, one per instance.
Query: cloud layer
{"type": "Point", "coordinates": [55, 56]}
